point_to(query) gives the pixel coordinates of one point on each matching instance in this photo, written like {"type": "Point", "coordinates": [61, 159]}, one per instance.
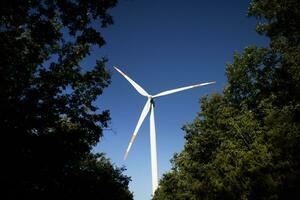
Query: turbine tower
{"type": "Point", "coordinates": [149, 106]}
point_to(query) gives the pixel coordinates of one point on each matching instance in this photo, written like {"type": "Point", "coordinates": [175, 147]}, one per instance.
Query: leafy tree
{"type": "Point", "coordinates": [47, 118]}
{"type": "Point", "coordinates": [245, 143]}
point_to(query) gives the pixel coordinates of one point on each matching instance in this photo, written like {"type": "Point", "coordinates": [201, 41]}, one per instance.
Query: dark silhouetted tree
{"type": "Point", "coordinates": [245, 143]}
{"type": "Point", "coordinates": [48, 122]}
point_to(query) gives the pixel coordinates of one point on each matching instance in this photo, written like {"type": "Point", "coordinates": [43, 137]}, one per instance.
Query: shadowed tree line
{"type": "Point", "coordinates": [48, 122]}
{"type": "Point", "coordinates": [245, 143]}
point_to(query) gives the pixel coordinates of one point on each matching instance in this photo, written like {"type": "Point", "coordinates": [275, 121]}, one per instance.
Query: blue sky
{"type": "Point", "coordinates": [164, 45]}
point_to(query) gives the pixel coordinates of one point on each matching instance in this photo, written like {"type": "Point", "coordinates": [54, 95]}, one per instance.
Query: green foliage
{"type": "Point", "coordinates": [47, 118]}
{"type": "Point", "coordinates": [245, 143]}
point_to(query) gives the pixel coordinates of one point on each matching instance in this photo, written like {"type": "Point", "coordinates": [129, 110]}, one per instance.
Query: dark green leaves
{"type": "Point", "coordinates": [48, 121]}
{"type": "Point", "coordinates": [245, 144]}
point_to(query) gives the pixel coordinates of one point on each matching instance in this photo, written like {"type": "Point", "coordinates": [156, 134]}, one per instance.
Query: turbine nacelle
{"type": "Point", "coordinates": [151, 99]}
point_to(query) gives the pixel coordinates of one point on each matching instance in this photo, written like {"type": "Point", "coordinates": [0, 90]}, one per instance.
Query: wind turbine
{"type": "Point", "coordinates": [149, 106]}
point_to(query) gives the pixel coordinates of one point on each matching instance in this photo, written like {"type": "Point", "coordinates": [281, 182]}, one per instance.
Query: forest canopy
{"type": "Point", "coordinates": [48, 121]}
{"type": "Point", "coordinates": [245, 142]}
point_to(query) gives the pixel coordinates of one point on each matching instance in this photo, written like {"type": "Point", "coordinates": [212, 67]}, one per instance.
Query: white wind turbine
{"type": "Point", "coordinates": [149, 106]}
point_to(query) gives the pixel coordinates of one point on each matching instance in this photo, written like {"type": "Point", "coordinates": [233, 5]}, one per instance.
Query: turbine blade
{"type": "Point", "coordinates": [134, 84]}
{"type": "Point", "coordinates": [181, 89]}
{"type": "Point", "coordinates": [141, 119]}
{"type": "Point", "coordinates": [153, 151]}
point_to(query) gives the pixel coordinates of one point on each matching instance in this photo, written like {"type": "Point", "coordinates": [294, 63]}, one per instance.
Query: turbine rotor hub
{"type": "Point", "coordinates": [151, 98]}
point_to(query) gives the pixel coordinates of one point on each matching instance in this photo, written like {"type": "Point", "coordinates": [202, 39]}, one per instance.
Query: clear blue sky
{"type": "Point", "coordinates": [164, 45]}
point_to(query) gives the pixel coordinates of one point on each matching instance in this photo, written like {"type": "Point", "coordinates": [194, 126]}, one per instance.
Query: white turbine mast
{"type": "Point", "coordinates": [149, 106]}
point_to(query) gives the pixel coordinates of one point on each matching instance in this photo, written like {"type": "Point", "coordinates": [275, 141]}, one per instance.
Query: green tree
{"type": "Point", "coordinates": [48, 121]}
{"type": "Point", "coordinates": [245, 143]}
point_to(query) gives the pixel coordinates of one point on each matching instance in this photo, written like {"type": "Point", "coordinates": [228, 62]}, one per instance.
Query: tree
{"type": "Point", "coordinates": [48, 120]}
{"type": "Point", "coordinates": [245, 143]}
